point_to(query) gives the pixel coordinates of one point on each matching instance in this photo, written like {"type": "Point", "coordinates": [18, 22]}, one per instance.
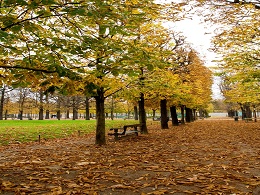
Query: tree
{"type": "Point", "coordinates": [95, 42]}
{"type": "Point", "coordinates": [239, 46]}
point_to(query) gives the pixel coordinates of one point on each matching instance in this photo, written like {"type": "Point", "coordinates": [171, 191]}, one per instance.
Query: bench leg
{"type": "Point", "coordinates": [136, 131]}
{"type": "Point", "coordinates": [116, 134]}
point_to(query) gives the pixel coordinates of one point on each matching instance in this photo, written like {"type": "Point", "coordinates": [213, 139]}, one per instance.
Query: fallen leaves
{"type": "Point", "coordinates": [205, 157]}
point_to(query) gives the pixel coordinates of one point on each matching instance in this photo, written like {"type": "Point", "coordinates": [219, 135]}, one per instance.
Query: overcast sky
{"type": "Point", "coordinates": [199, 34]}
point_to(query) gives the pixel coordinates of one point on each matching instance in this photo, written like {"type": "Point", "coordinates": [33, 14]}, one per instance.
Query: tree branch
{"type": "Point", "coordinates": [27, 68]}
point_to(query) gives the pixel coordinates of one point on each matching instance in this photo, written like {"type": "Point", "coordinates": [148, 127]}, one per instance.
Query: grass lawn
{"type": "Point", "coordinates": [12, 131]}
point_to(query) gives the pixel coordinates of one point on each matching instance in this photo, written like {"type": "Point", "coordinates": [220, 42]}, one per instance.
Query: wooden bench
{"type": "Point", "coordinates": [124, 131]}
{"type": "Point", "coordinates": [248, 119]}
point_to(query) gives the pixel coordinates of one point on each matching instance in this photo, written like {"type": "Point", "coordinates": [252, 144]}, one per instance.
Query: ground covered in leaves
{"type": "Point", "coordinates": [204, 157]}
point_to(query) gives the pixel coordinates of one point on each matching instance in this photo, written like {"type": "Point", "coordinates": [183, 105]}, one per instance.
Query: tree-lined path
{"type": "Point", "coordinates": [204, 157]}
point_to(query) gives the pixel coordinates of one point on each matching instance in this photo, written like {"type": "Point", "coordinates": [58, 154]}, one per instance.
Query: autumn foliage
{"type": "Point", "coordinates": [205, 157]}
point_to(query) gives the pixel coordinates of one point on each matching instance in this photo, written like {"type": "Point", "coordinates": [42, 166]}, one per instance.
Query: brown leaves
{"type": "Point", "coordinates": [205, 157]}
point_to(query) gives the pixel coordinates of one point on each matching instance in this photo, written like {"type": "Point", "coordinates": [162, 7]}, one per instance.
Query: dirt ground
{"type": "Point", "coordinates": [204, 157]}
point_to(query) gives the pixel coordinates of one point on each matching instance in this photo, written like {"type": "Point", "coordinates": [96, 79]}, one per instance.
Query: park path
{"type": "Point", "coordinates": [204, 157]}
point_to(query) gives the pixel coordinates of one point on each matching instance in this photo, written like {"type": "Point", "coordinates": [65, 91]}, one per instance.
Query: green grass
{"type": "Point", "coordinates": [13, 131]}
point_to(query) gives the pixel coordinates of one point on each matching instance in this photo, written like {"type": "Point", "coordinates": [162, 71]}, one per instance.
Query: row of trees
{"type": "Point", "coordinates": [187, 85]}
{"type": "Point", "coordinates": [100, 49]}
{"type": "Point", "coordinates": [238, 43]}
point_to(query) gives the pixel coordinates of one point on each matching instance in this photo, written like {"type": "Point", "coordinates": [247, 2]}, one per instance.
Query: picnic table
{"type": "Point", "coordinates": [119, 131]}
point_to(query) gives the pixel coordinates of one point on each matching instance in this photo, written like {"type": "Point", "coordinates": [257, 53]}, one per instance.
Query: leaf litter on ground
{"type": "Point", "coordinates": [204, 157]}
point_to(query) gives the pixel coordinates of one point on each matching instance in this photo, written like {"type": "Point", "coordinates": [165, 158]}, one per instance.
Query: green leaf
{"type": "Point", "coordinates": [3, 35]}
{"type": "Point", "coordinates": [79, 11]}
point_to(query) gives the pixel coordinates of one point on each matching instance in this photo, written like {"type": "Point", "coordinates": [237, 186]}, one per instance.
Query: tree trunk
{"type": "Point", "coordinates": [58, 108]}
{"type": "Point", "coordinates": [194, 114]}
{"type": "Point", "coordinates": [182, 114]}
{"type": "Point", "coordinates": [2, 103]}
{"type": "Point", "coordinates": [87, 108]}
{"type": "Point", "coordinates": [188, 115]}
{"type": "Point", "coordinates": [100, 117]}
{"type": "Point", "coordinates": [74, 108]}
{"type": "Point", "coordinates": [175, 121]}
{"type": "Point", "coordinates": [254, 114]}
{"type": "Point", "coordinates": [243, 112]}
{"type": "Point", "coordinates": [41, 106]}
{"type": "Point", "coordinates": [58, 114]}
{"type": "Point", "coordinates": [47, 114]}
{"type": "Point", "coordinates": [164, 118]}
{"type": "Point", "coordinates": [154, 111]}
{"type": "Point", "coordinates": [142, 114]}
{"type": "Point", "coordinates": [20, 115]}
{"type": "Point", "coordinates": [68, 108]}
{"type": "Point", "coordinates": [248, 111]}
{"type": "Point", "coordinates": [112, 108]}
{"type": "Point", "coordinates": [74, 113]}
{"type": "Point", "coordinates": [6, 112]}
{"type": "Point", "coordinates": [136, 112]}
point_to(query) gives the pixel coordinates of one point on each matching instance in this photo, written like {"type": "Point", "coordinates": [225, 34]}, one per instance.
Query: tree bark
{"type": "Point", "coordinates": [175, 121]}
{"type": "Point", "coordinates": [68, 108]}
{"type": "Point", "coordinates": [74, 113]}
{"type": "Point", "coordinates": [20, 115]}
{"type": "Point", "coordinates": [164, 118]}
{"type": "Point", "coordinates": [136, 112]}
{"type": "Point", "coordinates": [254, 114]}
{"type": "Point", "coordinates": [112, 109]}
{"type": "Point", "coordinates": [6, 112]}
{"type": "Point", "coordinates": [41, 106]}
{"type": "Point", "coordinates": [243, 112]}
{"type": "Point", "coordinates": [194, 114]}
{"type": "Point", "coordinates": [74, 108]}
{"type": "Point", "coordinates": [47, 114]}
{"type": "Point", "coordinates": [2, 103]}
{"type": "Point", "coordinates": [248, 111]}
{"type": "Point", "coordinates": [182, 114]}
{"type": "Point", "coordinates": [58, 108]}
{"type": "Point", "coordinates": [142, 114]}
{"type": "Point", "coordinates": [188, 114]}
{"type": "Point", "coordinates": [87, 108]}
{"type": "Point", "coordinates": [154, 111]}
{"type": "Point", "coordinates": [100, 117]}
{"type": "Point", "coordinates": [58, 114]}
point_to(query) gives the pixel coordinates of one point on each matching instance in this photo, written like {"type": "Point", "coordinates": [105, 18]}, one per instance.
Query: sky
{"type": "Point", "coordinates": [199, 34]}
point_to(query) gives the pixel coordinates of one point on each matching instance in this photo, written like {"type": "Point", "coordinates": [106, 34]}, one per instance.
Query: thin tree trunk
{"type": "Point", "coordinates": [6, 112]}
{"type": "Point", "coordinates": [47, 114]}
{"type": "Point", "coordinates": [2, 103]}
{"type": "Point", "coordinates": [100, 117]}
{"type": "Point", "coordinates": [41, 106]}
{"type": "Point", "coordinates": [87, 108]}
{"type": "Point", "coordinates": [182, 114]}
{"type": "Point", "coordinates": [20, 115]}
{"type": "Point", "coordinates": [112, 109]}
{"type": "Point", "coordinates": [58, 108]}
{"type": "Point", "coordinates": [164, 118]}
{"type": "Point", "coordinates": [74, 109]}
{"type": "Point", "coordinates": [142, 114]}
{"type": "Point", "coordinates": [194, 114]}
{"type": "Point", "coordinates": [154, 111]}
{"type": "Point", "coordinates": [175, 121]}
{"type": "Point", "coordinates": [254, 114]}
{"type": "Point", "coordinates": [68, 108]}
{"type": "Point", "coordinates": [136, 112]}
